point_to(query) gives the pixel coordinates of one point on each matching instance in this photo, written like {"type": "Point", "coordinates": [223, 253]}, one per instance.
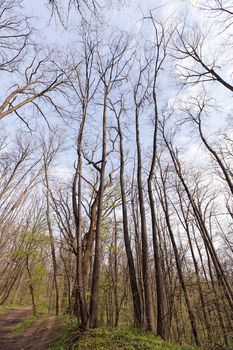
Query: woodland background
{"type": "Point", "coordinates": [116, 164]}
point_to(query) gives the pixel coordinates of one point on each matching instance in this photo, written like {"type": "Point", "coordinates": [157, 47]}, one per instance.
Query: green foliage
{"type": "Point", "coordinates": [40, 271]}
{"type": "Point", "coordinates": [42, 309]}
{"type": "Point", "coordinates": [116, 339]}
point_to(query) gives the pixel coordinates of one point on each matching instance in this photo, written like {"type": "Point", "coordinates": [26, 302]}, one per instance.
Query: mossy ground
{"type": "Point", "coordinates": [116, 339]}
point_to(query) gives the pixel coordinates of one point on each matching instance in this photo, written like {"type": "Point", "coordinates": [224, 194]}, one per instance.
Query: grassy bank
{"type": "Point", "coordinates": [116, 339]}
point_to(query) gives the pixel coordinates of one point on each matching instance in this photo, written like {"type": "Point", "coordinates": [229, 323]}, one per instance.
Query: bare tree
{"type": "Point", "coordinates": [85, 91]}
{"type": "Point", "coordinates": [113, 69]}
{"type": "Point", "coordinates": [138, 314]}
{"type": "Point", "coordinates": [140, 95]}
{"type": "Point", "coordinates": [50, 150]}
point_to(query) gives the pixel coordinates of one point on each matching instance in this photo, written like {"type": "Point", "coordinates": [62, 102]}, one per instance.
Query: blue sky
{"type": "Point", "coordinates": [127, 17]}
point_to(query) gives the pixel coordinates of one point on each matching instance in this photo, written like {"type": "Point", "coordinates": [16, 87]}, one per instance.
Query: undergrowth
{"type": "Point", "coordinates": [114, 339]}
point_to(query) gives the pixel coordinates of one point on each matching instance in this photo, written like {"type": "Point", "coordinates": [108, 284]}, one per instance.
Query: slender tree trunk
{"type": "Point", "coordinates": [179, 267]}
{"type": "Point", "coordinates": [31, 288]}
{"type": "Point", "coordinates": [158, 272]}
{"type": "Point", "coordinates": [52, 246]}
{"type": "Point", "coordinates": [77, 190]}
{"type": "Point", "coordinates": [203, 230]}
{"type": "Point", "coordinates": [132, 273]}
{"type": "Point", "coordinates": [145, 267]}
{"type": "Point", "coordinates": [96, 265]}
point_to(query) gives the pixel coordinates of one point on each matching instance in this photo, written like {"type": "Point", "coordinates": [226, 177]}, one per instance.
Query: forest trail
{"type": "Point", "coordinates": [36, 337]}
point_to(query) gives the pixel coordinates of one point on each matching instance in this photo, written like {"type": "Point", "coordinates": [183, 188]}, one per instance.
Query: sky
{"type": "Point", "coordinates": [128, 17]}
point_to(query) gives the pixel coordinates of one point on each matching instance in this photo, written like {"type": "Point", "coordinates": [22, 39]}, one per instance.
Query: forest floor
{"type": "Point", "coordinates": [19, 330]}
{"type": "Point", "coordinates": [115, 339]}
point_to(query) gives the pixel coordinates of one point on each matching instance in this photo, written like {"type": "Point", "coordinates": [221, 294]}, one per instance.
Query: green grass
{"type": "Point", "coordinates": [116, 339]}
{"type": "Point", "coordinates": [22, 326]}
{"type": "Point", "coordinates": [30, 320]}
{"type": "Point", "coordinates": [68, 327]}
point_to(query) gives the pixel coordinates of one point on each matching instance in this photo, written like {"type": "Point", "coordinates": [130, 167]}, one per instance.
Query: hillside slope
{"type": "Point", "coordinates": [118, 339]}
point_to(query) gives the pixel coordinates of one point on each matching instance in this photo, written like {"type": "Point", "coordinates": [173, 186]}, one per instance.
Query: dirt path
{"type": "Point", "coordinates": [36, 337]}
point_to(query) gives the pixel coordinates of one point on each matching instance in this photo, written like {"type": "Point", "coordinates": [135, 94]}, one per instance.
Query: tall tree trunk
{"type": "Point", "coordinates": [178, 265]}
{"type": "Point", "coordinates": [77, 190]}
{"type": "Point", "coordinates": [202, 227]}
{"type": "Point", "coordinates": [138, 319]}
{"type": "Point", "coordinates": [145, 267]}
{"type": "Point", "coordinates": [51, 239]}
{"type": "Point", "coordinates": [158, 272]}
{"type": "Point", "coordinates": [30, 284]}
{"type": "Point", "coordinates": [96, 265]}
